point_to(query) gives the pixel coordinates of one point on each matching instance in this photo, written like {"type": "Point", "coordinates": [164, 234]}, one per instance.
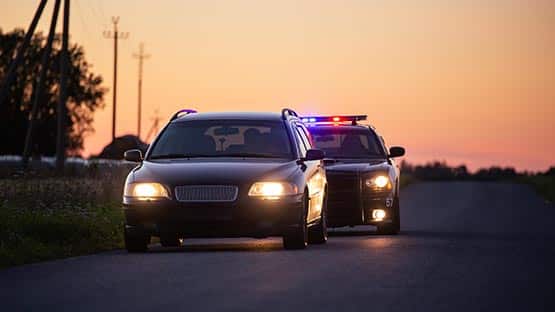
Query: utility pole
{"type": "Point", "coordinates": [141, 56]}
{"type": "Point", "coordinates": [62, 100]}
{"type": "Point", "coordinates": [37, 92]}
{"type": "Point", "coordinates": [115, 35]}
{"type": "Point", "coordinates": [11, 73]}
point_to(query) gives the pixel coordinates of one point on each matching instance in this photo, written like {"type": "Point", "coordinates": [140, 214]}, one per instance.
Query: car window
{"type": "Point", "coordinates": [305, 136]}
{"type": "Point", "coordinates": [301, 143]}
{"type": "Point", "coordinates": [220, 138]}
{"type": "Point", "coordinates": [338, 142]}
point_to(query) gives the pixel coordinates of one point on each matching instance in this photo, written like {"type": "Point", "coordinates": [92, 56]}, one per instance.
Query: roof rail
{"type": "Point", "coordinates": [181, 112]}
{"type": "Point", "coordinates": [288, 112]}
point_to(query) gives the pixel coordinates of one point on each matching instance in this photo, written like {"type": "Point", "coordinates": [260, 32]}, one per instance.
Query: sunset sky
{"type": "Point", "coordinates": [464, 81]}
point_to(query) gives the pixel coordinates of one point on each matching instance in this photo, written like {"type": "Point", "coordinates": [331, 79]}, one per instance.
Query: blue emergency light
{"type": "Point", "coordinates": [333, 119]}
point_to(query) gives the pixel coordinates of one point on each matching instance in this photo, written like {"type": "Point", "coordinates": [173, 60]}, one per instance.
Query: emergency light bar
{"type": "Point", "coordinates": [333, 119]}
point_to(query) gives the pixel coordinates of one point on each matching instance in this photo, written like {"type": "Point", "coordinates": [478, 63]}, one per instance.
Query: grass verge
{"type": "Point", "coordinates": [543, 184]}
{"type": "Point", "coordinates": [45, 218]}
{"type": "Point", "coordinates": [32, 236]}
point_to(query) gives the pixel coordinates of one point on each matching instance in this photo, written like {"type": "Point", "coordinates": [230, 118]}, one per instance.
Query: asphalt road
{"type": "Point", "coordinates": [464, 247]}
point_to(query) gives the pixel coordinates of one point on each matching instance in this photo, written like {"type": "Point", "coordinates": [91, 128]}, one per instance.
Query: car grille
{"type": "Point", "coordinates": [206, 193]}
{"type": "Point", "coordinates": [343, 193]}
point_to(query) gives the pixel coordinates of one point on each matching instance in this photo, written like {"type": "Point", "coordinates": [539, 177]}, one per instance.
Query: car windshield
{"type": "Point", "coordinates": [223, 138]}
{"type": "Point", "coordinates": [338, 142]}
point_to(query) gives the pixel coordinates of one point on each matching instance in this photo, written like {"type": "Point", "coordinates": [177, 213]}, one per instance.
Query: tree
{"type": "Point", "coordinates": [85, 95]}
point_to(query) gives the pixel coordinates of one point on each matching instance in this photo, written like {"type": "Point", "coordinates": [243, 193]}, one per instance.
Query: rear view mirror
{"type": "Point", "coordinates": [224, 131]}
{"type": "Point", "coordinates": [396, 151]}
{"type": "Point", "coordinates": [314, 154]}
{"type": "Point", "coordinates": [133, 155]}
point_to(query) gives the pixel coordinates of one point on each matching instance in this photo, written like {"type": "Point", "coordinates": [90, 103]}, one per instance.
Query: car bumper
{"type": "Point", "coordinates": [381, 203]}
{"type": "Point", "coordinates": [252, 217]}
{"type": "Point", "coordinates": [358, 210]}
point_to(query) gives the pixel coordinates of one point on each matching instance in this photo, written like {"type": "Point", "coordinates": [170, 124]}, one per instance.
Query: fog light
{"type": "Point", "coordinates": [378, 214]}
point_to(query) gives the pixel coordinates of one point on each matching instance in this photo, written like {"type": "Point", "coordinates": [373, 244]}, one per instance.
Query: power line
{"type": "Point", "coordinates": [62, 97]}
{"type": "Point", "coordinates": [116, 35]}
{"type": "Point", "coordinates": [11, 73]}
{"type": "Point", "coordinates": [82, 20]}
{"type": "Point", "coordinates": [38, 89]}
{"type": "Point", "coordinates": [37, 93]}
{"type": "Point", "coordinates": [141, 56]}
{"type": "Point", "coordinates": [94, 11]}
{"type": "Point", "coordinates": [101, 9]}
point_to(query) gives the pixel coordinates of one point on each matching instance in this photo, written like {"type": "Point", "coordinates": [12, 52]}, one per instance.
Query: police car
{"type": "Point", "coordinates": [363, 178]}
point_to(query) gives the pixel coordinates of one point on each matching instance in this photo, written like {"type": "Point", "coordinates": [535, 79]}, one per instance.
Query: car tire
{"type": "Point", "coordinates": [169, 240]}
{"type": "Point", "coordinates": [394, 227]}
{"type": "Point", "coordinates": [318, 233]}
{"type": "Point", "coordinates": [296, 237]}
{"type": "Point", "coordinates": [135, 240]}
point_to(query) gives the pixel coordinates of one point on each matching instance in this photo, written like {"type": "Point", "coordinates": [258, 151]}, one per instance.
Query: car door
{"type": "Point", "coordinates": [315, 175]}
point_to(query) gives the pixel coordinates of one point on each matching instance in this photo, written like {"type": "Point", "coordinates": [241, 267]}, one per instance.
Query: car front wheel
{"type": "Point", "coordinates": [136, 240]}
{"type": "Point", "coordinates": [296, 237]}
{"type": "Point", "coordinates": [318, 233]}
{"type": "Point", "coordinates": [170, 240]}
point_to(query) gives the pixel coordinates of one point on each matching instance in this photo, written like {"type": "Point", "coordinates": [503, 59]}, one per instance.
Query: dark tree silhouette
{"type": "Point", "coordinates": [85, 95]}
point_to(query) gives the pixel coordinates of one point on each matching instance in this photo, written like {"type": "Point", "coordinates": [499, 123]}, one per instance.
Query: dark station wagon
{"type": "Point", "coordinates": [227, 175]}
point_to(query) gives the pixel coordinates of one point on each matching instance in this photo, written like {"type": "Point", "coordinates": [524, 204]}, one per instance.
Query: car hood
{"type": "Point", "coordinates": [357, 165]}
{"type": "Point", "coordinates": [213, 171]}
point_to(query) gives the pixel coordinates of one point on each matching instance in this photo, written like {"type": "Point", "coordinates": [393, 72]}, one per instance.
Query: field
{"type": "Point", "coordinates": [45, 217]}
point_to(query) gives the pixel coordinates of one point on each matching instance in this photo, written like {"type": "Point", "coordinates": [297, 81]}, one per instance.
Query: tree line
{"type": "Point", "coordinates": [438, 170]}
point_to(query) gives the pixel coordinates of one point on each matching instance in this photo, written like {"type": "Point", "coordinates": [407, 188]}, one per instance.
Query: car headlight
{"type": "Point", "coordinates": [380, 182]}
{"type": "Point", "coordinates": [272, 190]}
{"type": "Point", "coordinates": [146, 191]}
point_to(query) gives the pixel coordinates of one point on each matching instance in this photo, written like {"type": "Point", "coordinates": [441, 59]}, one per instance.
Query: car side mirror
{"type": "Point", "coordinates": [133, 155]}
{"type": "Point", "coordinates": [314, 154]}
{"type": "Point", "coordinates": [396, 151]}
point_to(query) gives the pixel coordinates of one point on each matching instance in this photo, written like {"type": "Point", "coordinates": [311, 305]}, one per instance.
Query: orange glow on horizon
{"type": "Point", "coordinates": [461, 81]}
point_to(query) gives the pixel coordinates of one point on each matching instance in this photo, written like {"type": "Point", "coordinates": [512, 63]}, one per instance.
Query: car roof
{"type": "Point", "coordinates": [264, 116]}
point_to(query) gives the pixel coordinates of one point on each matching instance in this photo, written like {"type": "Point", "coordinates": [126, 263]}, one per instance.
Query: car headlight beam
{"type": "Point", "coordinates": [272, 190]}
{"type": "Point", "coordinates": [146, 191]}
{"type": "Point", "coordinates": [380, 182]}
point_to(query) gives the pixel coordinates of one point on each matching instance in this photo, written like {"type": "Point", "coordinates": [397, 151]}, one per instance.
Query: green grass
{"type": "Point", "coordinates": [543, 184]}
{"type": "Point", "coordinates": [32, 236]}
{"type": "Point", "coordinates": [56, 217]}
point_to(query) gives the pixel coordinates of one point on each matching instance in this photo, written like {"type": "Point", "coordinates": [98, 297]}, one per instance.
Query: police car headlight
{"type": "Point", "coordinates": [380, 182]}
{"type": "Point", "coordinates": [146, 191]}
{"type": "Point", "coordinates": [272, 190]}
